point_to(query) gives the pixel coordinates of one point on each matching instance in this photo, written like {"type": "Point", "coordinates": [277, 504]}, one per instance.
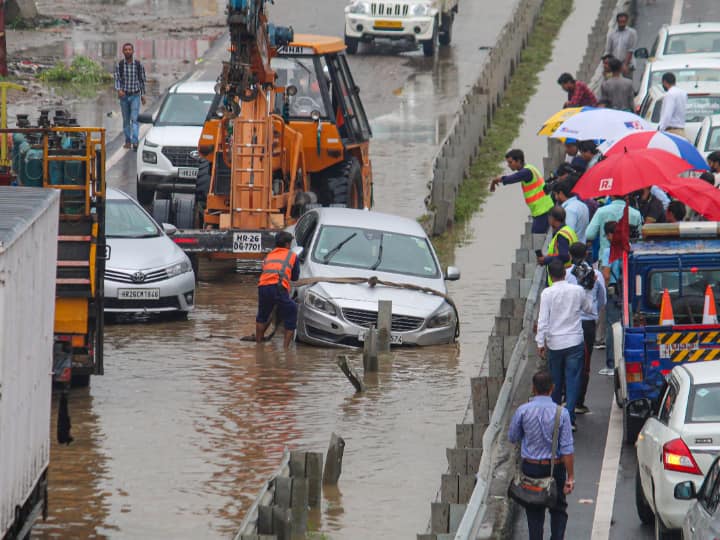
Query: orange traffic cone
{"type": "Point", "coordinates": [666, 313]}
{"type": "Point", "coordinates": [709, 311]}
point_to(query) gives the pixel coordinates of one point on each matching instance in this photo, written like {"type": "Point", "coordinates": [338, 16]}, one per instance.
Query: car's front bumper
{"type": "Point", "coordinates": [320, 328]}
{"type": "Point", "coordinates": [418, 28]}
{"type": "Point", "coordinates": [176, 294]}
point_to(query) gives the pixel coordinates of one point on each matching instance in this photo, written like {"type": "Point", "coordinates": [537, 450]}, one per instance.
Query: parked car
{"type": "Point", "coordinates": [343, 242]}
{"type": "Point", "coordinates": [686, 69]}
{"type": "Point", "coordinates": [703, 519]}
{"type": "Point", "coordinates": [678, 443]}
{"type": "Point", "coordinates": [164, 153]}
{"type": "Point", "coordinates": [696, 39]}
{"type": "Point", "coordinates": [146, 272]}
{"type": "Point", "coordinates": [707, 140]}
{"type": "Point", "coordinates": [703, 101]}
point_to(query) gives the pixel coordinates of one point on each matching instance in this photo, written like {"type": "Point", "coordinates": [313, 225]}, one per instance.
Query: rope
{"type": "Point", "coordinates": [373, 281]}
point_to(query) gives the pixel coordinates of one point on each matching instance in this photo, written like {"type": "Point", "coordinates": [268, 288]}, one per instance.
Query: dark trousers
{"type": "Point", "coordinates": [589, 337]}
{"type": "Point", "coordinates": [558, 514]}
{"type": "Point", "coordinates": [541, 224]}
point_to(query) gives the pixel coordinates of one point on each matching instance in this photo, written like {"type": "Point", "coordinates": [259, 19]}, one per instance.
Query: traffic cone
{"type": "Point", "coordinates": [666, 312]}
{"type": "Point", "coordinates": [709, 311]}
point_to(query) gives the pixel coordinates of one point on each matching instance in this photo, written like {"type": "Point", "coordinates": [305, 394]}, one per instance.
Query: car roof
{"type": "Point", "coordinates": [193, 87]}
{"type": "Point", "coordinates": [692, 28]}
{"type": "Point", "coordinates": [350, 217]}
{"type": "Point", "coordinates": [689, 61]}
{"type": "Point", "coordinates": [704, 372]}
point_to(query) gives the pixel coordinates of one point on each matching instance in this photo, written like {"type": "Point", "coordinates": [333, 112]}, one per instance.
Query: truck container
{"type": "Point", "coordinates": [28, 255]}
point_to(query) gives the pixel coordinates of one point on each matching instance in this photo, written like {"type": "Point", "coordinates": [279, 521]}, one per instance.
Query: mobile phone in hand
{"type": "Point", "coordinates": [538, 253]}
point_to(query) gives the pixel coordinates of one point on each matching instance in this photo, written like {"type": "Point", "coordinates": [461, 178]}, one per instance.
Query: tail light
{"type": "Point", "coordinates": [677, 457]}
{"type": "Point", "coordinates": [633, 372]}
{"type": "Point", "coordinates": [186, 241]}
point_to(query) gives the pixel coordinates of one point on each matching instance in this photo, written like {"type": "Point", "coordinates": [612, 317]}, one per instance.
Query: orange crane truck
{"type": "Point", "coordinates": [286, 132]}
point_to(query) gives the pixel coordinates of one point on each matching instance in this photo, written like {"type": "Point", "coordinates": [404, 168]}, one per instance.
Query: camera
{"type": "Point", "coordinates": [584, 274]}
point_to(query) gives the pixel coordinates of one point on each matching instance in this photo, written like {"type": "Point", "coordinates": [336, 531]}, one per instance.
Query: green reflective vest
{"type": "Point", "coordinates": [537, 200]}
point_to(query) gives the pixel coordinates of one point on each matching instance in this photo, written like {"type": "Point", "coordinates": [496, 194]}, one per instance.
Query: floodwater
{"type": "Point", "coordinates": [178, 436]}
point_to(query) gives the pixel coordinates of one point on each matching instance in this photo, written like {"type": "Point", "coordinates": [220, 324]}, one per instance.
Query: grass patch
{"type": "Point", "coordinates": [508, 117]}
{"type": "Point", "coordinates": [81, 71]}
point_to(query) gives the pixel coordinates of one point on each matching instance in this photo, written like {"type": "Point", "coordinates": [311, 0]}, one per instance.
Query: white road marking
{"type": "Point", "coordinates": [120, 152]}
{"type": "Point", "coordinates": [677, 11]}
{"type": "Point", "coordinates": [608, 475]}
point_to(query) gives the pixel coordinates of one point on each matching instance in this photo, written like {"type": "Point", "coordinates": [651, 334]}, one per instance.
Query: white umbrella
{"type": "Point", "coordinates": [600, 124]}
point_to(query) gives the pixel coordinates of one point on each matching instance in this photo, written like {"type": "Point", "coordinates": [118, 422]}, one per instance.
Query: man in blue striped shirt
{"type": "Point", "coordinates": [532, 426]}
{"type": "Point", "coordinates": [130, 86]}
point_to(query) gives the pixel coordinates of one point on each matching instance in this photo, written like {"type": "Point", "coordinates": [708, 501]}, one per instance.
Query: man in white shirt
{"type": "Point", "coordinates": [674, 106]}
{"type": "Point", "coordinates": [560, 334]}
{"type": "Point", "coordinates": [593, 281]}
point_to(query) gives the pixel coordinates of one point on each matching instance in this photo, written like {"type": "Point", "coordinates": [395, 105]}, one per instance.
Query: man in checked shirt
{"type": "Point", "coordinates": [130, 85]}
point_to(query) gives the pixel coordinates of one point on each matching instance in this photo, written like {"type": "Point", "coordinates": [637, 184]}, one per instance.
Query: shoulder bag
{"type": "Point", "coordinates": [542, 492]}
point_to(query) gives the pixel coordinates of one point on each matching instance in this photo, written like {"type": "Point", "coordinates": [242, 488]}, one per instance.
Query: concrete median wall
{"type": "Point", "coordinates": [472, 120]}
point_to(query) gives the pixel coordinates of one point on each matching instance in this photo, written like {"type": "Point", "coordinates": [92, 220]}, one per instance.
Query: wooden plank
{"type": "Point", "coordinates": [439, 517]}
{"type": "Point", "coordinates": [481, 407]}
{"type": "Point", "coordinates": [333, 462]}
{"type": "Point", "coordinates": [283, 491]}
{"type": "Point", "coordinates": [493, 389]}
{"type": "Point", "coordinates": [457, 511]}
{"type": "Point", "coordinates": [299, 506]}
{"type": "Point", "coordinates": [449, 488]}
{"type": "Point", "coordinates": [370, 350]}
{"type": "Point", "coordinates": [282, 523]}
{"type": "Point", "coordinates": [264, 521]}
{"type": "Point", "coordinates": [426, 537]}
{"type": "Point", "coordinates": [297, 463]}
{"type": "Point", "coordinates": [313, 472]}
{"type": "Point", "coordinates": [384, 322]}
{"type": "Point", "coordinates": [466, 485]}
{"type": "Point", "coordinates": [464, 435]}
{"type": "Point", "coordinates": [478, 432]}
{"type": "Point", "coordinates": [349, 372]}
{"type": "Point", "coordinates": [473, 460]}
{"type": "Point", "coordinates": [457, 460]}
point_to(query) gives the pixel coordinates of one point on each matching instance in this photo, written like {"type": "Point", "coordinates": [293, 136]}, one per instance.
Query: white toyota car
{"type": "Point", "coordinates": [678, 443]}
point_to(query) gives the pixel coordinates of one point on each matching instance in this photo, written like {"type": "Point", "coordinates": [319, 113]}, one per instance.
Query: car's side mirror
{"type": "Point", "coordinates": [452, 273]}
{"type": "Point", "coordinates": [685, 491]}
{"type": "Point", "coordinates": [639, 409]}
{"type": "Point", "coordinates": [642, 52]}
{"type": "Point", "coordinates": [300, 252]}
{"type": "Point", "coordinates": [169, 228]}
{"type": "Point", "coordinates": [145, 118]}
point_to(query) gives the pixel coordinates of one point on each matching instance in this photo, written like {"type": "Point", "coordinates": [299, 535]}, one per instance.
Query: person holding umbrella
{"type": "Point", "coordinates": [533, 186]}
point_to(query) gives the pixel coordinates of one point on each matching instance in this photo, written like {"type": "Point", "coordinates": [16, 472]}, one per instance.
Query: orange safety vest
{"type": "Point", "coordinates": [537, 200]}
{"type": "Point", "coordinates": [277, 268]}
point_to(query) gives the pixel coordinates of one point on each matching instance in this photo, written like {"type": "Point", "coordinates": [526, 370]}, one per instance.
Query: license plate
{"type": "Point", "coordinates": [395, 339]}
{"type": "Point", "coordinates": [247, 242]}
{"type": "Point", "coordinates": [388, 24]}
{"type": "Point", "coordinates": [187, 172]}
{"type": "Point", "coordinates": [139, 294]}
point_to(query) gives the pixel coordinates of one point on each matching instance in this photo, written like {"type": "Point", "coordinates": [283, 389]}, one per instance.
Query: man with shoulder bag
{"type": "Point", "coordinates": [546, 475]}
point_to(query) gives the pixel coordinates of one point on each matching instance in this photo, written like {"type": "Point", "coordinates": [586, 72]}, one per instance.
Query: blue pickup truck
{"type": "Point", "coordinates": [683, 258]}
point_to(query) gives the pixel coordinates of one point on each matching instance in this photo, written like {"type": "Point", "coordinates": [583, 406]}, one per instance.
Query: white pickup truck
{"type": "Point", "coordinates": [427, 22]}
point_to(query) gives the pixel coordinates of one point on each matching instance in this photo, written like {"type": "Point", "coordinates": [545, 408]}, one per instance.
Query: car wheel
{"type": "Point", "coordinates": [429, 46]}
{"type": "Point", "coordinates": [161, 210]}
{"type": "Point", "coordinates": [351, 44]}
{"type": "Point", "coordinates": [144, 195]}
{"type": "Point", "coordinates": [618, 398]}
{"type": "Point", "coordinates": [644, 511]}
{"type": "Point", "coordinates": [662, 532]}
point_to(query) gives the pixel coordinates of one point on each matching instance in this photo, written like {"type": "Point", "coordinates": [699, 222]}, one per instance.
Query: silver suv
{"type": "Point", "coordinates": [164, 154]}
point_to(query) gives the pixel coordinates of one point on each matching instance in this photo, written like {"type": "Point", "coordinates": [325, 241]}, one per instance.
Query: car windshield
{"type": "Point", "coordinates": [696, 42]}
{"type": "Point", "coordinates": [125, 219]}
{"type": "Point", "coordinates": [375, 250]}
{"type": "Point", "coordinates": [687, 75]}
{"type": "Point", "coordinates": [299, 72]}
{"type": "Point", "coordinates": [688, 283]}
{"type": "Point", "coordinates": [184, 110]}
{"type": "Point", "coordinates": [704, 404]}
{"type": "Point", "coordinates": [713, 140]}
{"type": "Point", "coordinates": [698, 107]}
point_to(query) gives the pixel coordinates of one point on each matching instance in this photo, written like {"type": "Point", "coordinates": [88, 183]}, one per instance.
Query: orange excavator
{"type": "Point", "coordinates": [286, 132]}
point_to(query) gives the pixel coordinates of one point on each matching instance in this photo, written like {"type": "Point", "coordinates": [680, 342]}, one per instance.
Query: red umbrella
{"type": "Point", "coordinates": [629, 171]}
{"type": "Point", "coordinates": [696, 193]}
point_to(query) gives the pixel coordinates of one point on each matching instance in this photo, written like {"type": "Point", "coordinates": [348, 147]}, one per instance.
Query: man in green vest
{"type": "Point", "coordinates": [563, 238]}
{"type": "Point", "coordinates": [533, 186]}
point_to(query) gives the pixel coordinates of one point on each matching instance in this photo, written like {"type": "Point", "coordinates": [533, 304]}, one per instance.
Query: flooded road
{"type": "Point", "coordinates": [188, 421]}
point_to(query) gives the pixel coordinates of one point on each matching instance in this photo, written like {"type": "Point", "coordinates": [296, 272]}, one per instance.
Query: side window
{"type": "Point", "coordinates": [709, 494]}
{"type": "Point", "coordinates": [668, 403]}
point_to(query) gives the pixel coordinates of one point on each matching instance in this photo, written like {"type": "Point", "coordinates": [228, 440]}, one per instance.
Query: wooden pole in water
{"type": "Point", "coordinates": [370, 350]}
{"type": "Point", "coordinates": [333, 462]}
{"type": "Point", "coordinates": [384, 325]}
{"type": "Point", "coordinates": [342, 363]}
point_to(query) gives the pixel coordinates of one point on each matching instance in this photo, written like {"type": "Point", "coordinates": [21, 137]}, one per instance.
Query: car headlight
{"type": "Point", "coordinates": [316, 301]}
{"type": "Point", "coordinates": [179, 268]}
{"type": "Point", "coordinates": [149, 157]}
{"type": "Point", "coordinates": [150, 144]}
{"type": "Point", "coordinates": [443, 318]}
{"type": "Point", "coordinates": [420, 9]}
{"type": "Point", "coordinates": [360, 8]}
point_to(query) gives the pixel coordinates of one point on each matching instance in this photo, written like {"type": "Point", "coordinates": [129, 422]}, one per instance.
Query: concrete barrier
{"type": "Point", "coordinates": [470, 124]}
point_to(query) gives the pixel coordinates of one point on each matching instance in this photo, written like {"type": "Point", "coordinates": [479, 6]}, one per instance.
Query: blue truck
{"type": "Point", "coordinates": [683, 258]}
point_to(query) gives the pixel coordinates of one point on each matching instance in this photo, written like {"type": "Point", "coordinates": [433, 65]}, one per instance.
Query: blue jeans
{"type": "Point", "coordinates": [130, 107]}
{"type": "Point", "coordinates": [566, 367]}
{"type": "Point", "coordinates": [613, 314]}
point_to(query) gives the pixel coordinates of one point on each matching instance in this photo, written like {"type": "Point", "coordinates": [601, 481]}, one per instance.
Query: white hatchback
{"type": "Point", "coordinates": [678, 442]}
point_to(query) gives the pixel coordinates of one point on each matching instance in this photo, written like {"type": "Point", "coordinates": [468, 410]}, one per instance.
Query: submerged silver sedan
{"type": "Point", "coordinates": [341, 243]}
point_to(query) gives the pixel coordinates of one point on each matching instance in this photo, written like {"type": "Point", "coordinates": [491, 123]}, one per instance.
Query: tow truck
{"type": "Point", "coordinates": [683, 258]}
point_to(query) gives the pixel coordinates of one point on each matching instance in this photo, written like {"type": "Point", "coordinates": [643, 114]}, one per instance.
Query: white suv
{"type": "Point", "coordinates": [164, 153]}
{"type": "Point", "coordinates": [678, 443]}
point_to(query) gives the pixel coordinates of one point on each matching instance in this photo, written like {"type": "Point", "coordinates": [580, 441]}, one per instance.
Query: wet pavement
{"type": "Point", "coordinates": [188, 421]}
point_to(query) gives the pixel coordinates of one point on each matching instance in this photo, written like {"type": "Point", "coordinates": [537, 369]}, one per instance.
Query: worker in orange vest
{"type": "Point", "coordinates": [279, 268]}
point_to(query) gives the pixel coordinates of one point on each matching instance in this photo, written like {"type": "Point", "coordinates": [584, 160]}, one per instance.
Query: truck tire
{"type": "Point", "coordinates": [351, 44]}
{"type": "Point", "coordinates": [202, 183]}
{"type": "Point", "coordinates": [184, 212]}
{"type": "Point", "coordinates": [80, 381]}
{"type": "Point", "coordinates": [446, 29]}
{"type": "Point", "coordinates": [144, 195]}
{"type": "Point", "coordinates": [429, 46]}
{"type": "Point", "coordinates": [644, 511]}
{"type": "Point", "coordinates": [618, 397]}
{"type": "Point", "coordinates": [161, 210]}
{"type": "Point", "coordinates": [346, 188]}
{"type": "Point", "coordinates": [630, 433]}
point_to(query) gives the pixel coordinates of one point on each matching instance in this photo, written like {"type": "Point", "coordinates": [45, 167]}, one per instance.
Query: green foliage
{"type": "Point", "coordinates": [81, 71]}
{"type": "Point", "coordinates": [508, 118]}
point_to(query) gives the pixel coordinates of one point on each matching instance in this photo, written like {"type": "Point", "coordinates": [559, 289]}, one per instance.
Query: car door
{"type": "Point", "coordinates": [703, 518]}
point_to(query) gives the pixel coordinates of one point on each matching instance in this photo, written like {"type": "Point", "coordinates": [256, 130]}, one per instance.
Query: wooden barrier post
{"type": "Point", "coordinates": [384, 325]}
{"type": "Point", "coordinates": [333, 462]}
{"type": "Point", "coordinates": [370, 350]}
